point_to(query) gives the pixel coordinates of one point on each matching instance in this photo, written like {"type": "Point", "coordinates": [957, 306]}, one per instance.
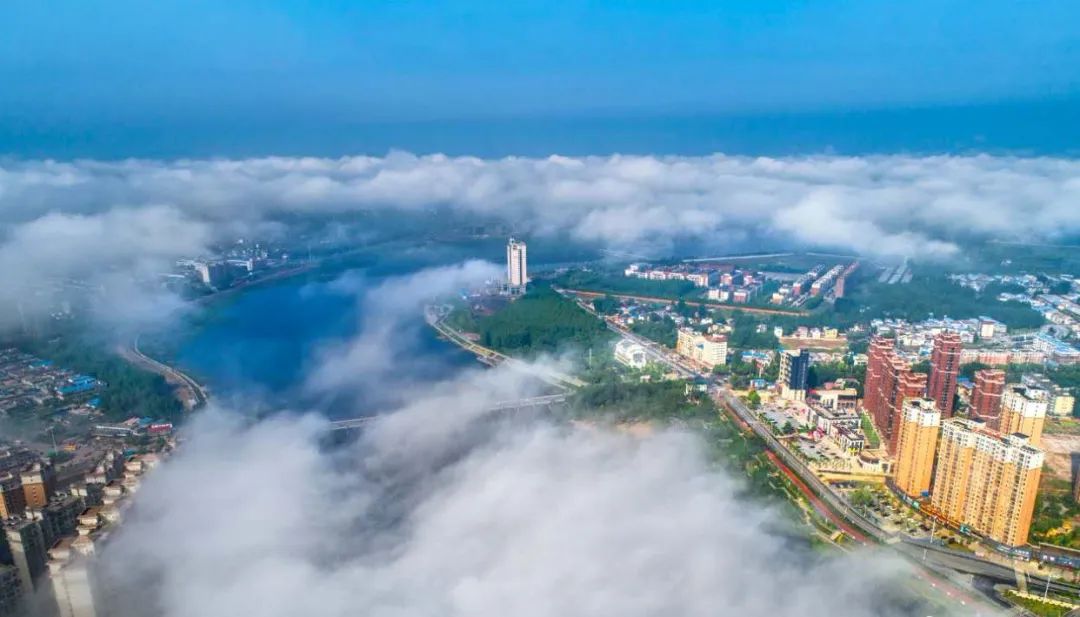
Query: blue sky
{"type": "Point", "coordinates": [79, 67]}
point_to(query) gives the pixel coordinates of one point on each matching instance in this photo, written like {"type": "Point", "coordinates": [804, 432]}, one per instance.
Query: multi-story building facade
{"type": "Point", "coordinates": [26, 546]}
{"type": "Point", "coordinates": [890, 381]}
{"type": "Point", "coordinates": [986, 480]}
{"type": "Point", "coordinates": [1023, 410]}
{"type": "Point", "coordinates": [11, 591]}
{"type": "Point", "coordinates": [880, 349]}
{"type": "Point", "coordinates": [917, 439]}
{"type": "Point", "coordinates": [12, 496]}
{"type": "Point", "coordinates": [986, 396]}
{"type": "Point", "coordinates": [708, 350]}
{"type": "Point", "coordinates": [1059, 401]}
{"type": "Point", "coordinates": [39, 484]}
{"type": "Point", "coordinates": [517, 267]}
{"type": "Point", "coordinates": [944, 369]}
{"type": "Point", "coordinates": [794, 376]}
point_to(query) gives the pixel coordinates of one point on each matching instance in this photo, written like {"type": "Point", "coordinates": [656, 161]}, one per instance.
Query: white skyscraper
{"type": "Point", "coordinates": [516, 265]}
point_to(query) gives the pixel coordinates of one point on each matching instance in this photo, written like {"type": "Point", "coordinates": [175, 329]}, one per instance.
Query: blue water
{"type": "Point", "coordinates": [262, 343]}
{"type": "Point", "coordinates": [265, 341]}
{"type": "Point", "coordinates": [1046, 127]}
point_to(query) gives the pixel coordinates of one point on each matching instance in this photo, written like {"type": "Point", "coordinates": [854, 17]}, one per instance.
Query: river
{"type": "Point", "coordinates": [265, 340]}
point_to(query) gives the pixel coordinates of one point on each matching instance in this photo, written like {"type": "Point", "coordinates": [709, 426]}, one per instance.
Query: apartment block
{"type": "Point", "coordinates": [704, 349]}
{"type": "Point", "coordinates": [944, 370]}
{"type": "Point", "coordinates": [1023, 410]}
{"type": "Point", "coordinates": [986, 480]}
{"type": "Point", "coordinates": [794, 376]}
{"type": "Point", "coordinates": [917, 439]}
{"type": "Point", "coordinates": [986, 396]}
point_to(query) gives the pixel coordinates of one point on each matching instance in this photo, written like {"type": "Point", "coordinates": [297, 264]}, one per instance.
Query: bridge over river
{"type": "Point", "coordinates": [524, 404]}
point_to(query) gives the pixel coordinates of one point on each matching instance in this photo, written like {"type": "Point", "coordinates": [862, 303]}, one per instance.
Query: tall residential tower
{"type": "Point", "coordinates": [986, 480]}
{"type": "Point", "coordinates": [944, 369]}
{"type": "Point", "coordinates": [986, 396]}
{"type": "Point", "coordinates": [517, 273]}
{"type": "Point", "coordinates": [916, 444]}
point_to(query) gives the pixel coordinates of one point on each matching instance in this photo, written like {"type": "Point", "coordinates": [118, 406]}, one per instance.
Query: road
{"type": "Point", "coordinates": [933, 567]}
{"type": "Point", "coordinates": [586, 293]}
{"type": "Point", "coordinates": [436, 319]}
{"type": "Point", "coordinates": [173, 375]}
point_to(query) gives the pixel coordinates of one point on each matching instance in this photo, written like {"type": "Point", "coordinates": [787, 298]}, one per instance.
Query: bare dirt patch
{"type": "Point", "coordinates": [1059, 449]}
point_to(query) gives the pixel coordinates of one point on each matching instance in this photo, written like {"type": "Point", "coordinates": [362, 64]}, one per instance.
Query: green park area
{"type": "Point", "coordinates": [1036, 606]}
{"type": "Point", "coordinates": [541, 321]}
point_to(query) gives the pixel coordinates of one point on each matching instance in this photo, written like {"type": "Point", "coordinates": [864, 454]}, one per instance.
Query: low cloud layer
{"type": "Point", "coordinates": [878, 204]}
{"type": "Point", "coordinates": [88, 219]}
{"type": "Point", "coordinates": [386, 351]}
{"type": "Point", "coordinates": [442, 508]}
{"type": "Point", "coordinates": [433, 514]}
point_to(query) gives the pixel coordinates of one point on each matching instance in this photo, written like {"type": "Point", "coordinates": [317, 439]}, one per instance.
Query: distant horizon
{"type": "Point", "coordinates": [1038, 127]}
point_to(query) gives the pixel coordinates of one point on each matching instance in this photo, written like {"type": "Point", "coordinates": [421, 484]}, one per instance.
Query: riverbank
{"type": "Point", "coordinates": [190, 392]}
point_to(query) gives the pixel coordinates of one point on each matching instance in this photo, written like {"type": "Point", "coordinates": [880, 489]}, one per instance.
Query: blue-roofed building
{"type": "Point", "coordinates": [76, 385]}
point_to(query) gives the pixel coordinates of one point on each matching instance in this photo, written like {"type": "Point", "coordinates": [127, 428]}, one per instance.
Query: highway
{"type": "Point", "coordinates": [133, 354]}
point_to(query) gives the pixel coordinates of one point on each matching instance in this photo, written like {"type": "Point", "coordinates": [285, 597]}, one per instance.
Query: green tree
{"type": "Point", "coordinates": [753, 399]}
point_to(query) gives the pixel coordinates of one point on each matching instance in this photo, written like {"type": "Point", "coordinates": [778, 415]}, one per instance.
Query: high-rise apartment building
{"type": "Point", "coordinates": [944, 369]}
{"type": "Point", "coordinates": [986, 396]}
{"type": "Point", "coordinates": [39, 484]}
{"type": "Point", "coordinates": [986, 480]}
{"type": "Point", "coordinates": [12, 497]}
{"type": "Point", "coordinates": [880, 349]}
{"type": "Point", "coordinates": [72, 581]}
{"type": "Point", "coordinates": [794, 376]}
{"type": "Point", "coordinates": [517, 272]}
{"type": "Point", "coordinates": [920, 424]}
{"type": "Point", "coordinates": [896, 384]}
{"type": "Point", "coordinates": [1023, 410]}
{"type": "Point", "coordinates": [11, 591]}
{"type": "Point", "coordinates": [26, 545]}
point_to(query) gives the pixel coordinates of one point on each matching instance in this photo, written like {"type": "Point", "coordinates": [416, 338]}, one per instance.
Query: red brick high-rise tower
{"type": "Point", "coordinates": [889, 382]}
{"type": "Point", "coordinates": [876, 364]}
{"type": "Point", "coordinates": [986, 396]}
{"type": "Point", "coordinates": [944, 369]}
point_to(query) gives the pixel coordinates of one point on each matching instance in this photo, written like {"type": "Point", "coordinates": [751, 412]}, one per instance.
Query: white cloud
{"type": "Point", "coordinates": [387, 335]}
{"type": "Point", "coordinates": [432, 513]}
{"type": "Point", "coordinates": [909, 203]}
{"type": "Point", "coordinates": [105, 252]}
{"type": "Point", "coordinates": [60, 219]}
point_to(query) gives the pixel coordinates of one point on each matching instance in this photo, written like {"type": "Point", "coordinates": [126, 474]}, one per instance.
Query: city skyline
{"type": "Point", "coordinates": [469, 308]}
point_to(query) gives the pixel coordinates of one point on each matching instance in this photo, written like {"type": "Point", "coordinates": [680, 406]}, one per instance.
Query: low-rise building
{"type": "Point", "coordinates": [631, 354]}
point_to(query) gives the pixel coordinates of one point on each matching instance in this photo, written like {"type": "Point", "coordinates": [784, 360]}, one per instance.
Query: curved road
{"type": "Point", "coordinates": [171, 374]}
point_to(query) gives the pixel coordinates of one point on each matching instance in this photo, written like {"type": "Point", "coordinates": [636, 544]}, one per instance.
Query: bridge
{"type": "Point", "coordinates": [536, 402]}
